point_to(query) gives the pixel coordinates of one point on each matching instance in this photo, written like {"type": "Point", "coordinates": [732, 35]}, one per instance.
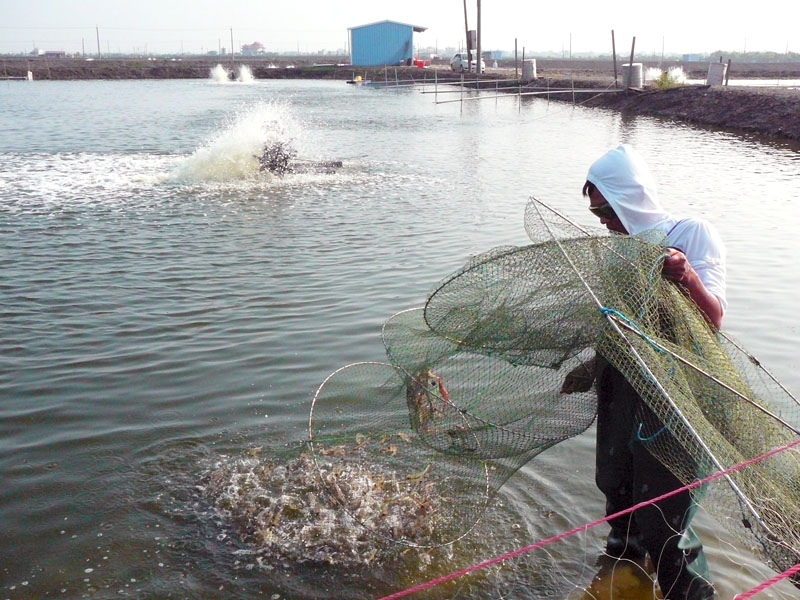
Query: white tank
{"type": "Point", "coordinates": [528, 70]}
{"type": "Point", "coordinates": [716, 73]}
{"type": "Point", "coordinates": [632, 75]}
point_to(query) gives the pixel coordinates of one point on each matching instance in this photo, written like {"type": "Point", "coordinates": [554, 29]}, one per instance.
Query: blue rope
{"type": "Point", "coordinates": [649, 438]}
{"type": "Point", "coordinates": [610, 311]}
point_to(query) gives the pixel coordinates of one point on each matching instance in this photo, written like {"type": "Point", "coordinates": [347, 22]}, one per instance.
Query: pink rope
{"type": "Point", "coordinates": [556, 538]}
{"type": "Point", "coordinates": [769, 583]}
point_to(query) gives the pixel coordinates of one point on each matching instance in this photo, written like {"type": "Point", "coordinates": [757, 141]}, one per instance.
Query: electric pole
{"type": "Point", "coordinates": [478, 58]}
{"type": "Point", "coordinates": [466, 31]}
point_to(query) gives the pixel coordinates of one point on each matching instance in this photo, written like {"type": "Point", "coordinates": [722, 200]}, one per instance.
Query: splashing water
{"type": "Point", "coordinates": [219, 74]}
{"type": "Point", "coordinates": [674, 76]}
{"type": "Point", "coordinates": [245, 75]}
{"type": "Point", "coordinates": [232, 154]}
{"type": "Point", "coordinates": [652, 74]}
{"type": "Point", "coordinates": [677, 75]}
{"type": "Point", "coordinates": [293, 511]}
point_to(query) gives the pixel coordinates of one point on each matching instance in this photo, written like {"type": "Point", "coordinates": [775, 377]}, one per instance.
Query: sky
{"type": "Point", "coordinates": [579, 26]}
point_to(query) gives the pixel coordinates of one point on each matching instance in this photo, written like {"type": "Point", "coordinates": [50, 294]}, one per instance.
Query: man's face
{"type": "Point", "coordinates": [597, 200]}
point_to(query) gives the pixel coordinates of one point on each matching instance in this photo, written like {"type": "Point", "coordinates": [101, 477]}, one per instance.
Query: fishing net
{"type": "Point", "coordinates": [472, 388]}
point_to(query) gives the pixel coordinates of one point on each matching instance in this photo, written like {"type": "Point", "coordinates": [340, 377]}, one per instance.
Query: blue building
{"type": "Point", "coordinates": [382, 43]}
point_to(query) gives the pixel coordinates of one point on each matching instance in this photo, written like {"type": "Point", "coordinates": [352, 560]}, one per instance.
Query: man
{"type": "Point", "coordinates": [622, 194]}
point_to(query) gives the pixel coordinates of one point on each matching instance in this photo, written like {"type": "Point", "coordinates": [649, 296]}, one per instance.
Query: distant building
{"type": "Point", "coordinates": [55, 54]}
{"type": "Point", "coordinates": [382, 43]}
{"type": "Point", "coordinates": [690, 58]}
{"type": "Point", "coordinates": [254, 49]}
{"type": "Point", "coordinates": [493, 55]}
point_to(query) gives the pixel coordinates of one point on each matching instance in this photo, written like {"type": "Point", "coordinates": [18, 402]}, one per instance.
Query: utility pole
{"type": "Point", "coordinates": [466, 31]}
{"type": "Point", "coordinates": [83, 49]}
{"type": "Point", "coordinates": [231, 45]}
{"type": "Point", "coordinates": [97, 31]}
{"type": "Point", "coordinates": [480, 54]}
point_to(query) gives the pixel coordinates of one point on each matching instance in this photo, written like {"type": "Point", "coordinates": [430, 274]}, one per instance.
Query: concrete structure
{"type": "Point", "coordinates": [382, 43]}
{"type": "Point", "coordinates": [528, 70]}
{"type": "Point", "coordinates": [716, 73]}
{"type": "Point", "coordinates": [632, 75]}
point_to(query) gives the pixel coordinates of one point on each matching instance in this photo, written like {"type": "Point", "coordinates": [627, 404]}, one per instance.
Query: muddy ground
{"type": "Point", "coordinates": [772, 111]}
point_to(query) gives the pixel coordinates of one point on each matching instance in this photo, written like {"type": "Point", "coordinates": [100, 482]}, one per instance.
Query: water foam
{"type": "Point", "coordinates": [80, 178]}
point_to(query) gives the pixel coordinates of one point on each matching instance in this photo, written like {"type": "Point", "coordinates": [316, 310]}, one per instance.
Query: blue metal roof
{"type": "Point", "coordinates": [416, 28]}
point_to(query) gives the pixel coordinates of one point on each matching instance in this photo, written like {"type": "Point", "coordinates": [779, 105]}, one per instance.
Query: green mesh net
{"type": "Point", "coordinates": [472, 390]}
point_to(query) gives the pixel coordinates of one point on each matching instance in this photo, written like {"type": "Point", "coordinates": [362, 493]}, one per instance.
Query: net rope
{"type": "Point", "coordinates": [472, 390]}
{"type": "Point", "coordinates": [587, 526]}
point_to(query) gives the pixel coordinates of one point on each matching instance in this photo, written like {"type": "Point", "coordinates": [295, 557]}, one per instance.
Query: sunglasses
{"type": "Point", "coordinates": [603, 212]}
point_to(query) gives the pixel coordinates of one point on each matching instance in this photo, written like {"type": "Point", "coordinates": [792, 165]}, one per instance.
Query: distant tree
{"type": "Point", "coordinates": [755, 57]}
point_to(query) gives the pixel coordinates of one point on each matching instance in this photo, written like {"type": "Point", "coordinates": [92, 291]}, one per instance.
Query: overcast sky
{"type": "Point", "coordinates": [162, 26]}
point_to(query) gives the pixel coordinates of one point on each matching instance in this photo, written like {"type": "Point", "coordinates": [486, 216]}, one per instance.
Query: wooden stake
{"type": "Point", "coordinates": [614, 55]}
{"type": "Point", "coordinates": [630, 66]}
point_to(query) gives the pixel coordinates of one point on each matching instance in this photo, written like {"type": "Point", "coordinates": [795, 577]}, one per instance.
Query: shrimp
{"type": "Point", "coordinates": [426, 397]}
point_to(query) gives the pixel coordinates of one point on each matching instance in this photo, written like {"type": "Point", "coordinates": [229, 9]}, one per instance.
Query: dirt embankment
{"type": "Point", "coordinates": [160, 68]}
{"type": "Point", "coordinates": [773, 111]}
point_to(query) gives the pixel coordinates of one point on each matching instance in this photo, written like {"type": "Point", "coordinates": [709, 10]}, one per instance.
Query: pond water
{"type": "Point", "coordinates": [166, 309]}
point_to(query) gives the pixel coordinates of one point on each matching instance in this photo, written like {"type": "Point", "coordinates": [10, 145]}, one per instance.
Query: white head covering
{"type": "Point", "coordinates": [623, 178]}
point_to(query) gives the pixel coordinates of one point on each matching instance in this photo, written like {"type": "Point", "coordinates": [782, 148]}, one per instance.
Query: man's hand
{"type": "Point", "coordinates": [580, 379]}
{"type": "Point", "coordinates": [676, 267]}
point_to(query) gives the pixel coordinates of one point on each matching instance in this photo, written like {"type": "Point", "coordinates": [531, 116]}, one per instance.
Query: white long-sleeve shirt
{"type": "Point", "coordinates": [624, 179]}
